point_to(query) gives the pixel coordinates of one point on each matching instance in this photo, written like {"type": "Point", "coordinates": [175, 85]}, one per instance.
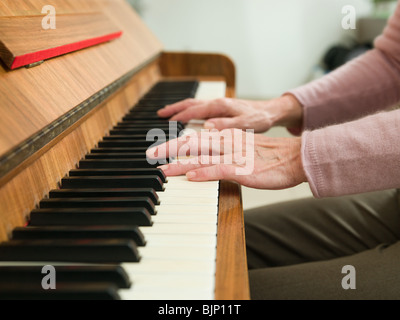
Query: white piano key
{"type": "Point", "coordinates": [167, 267]}
{"type": "Point", "coordinates": [201, 201]}
{"type": "Point", "coordinates": [173, 209]}
{"type": "Point", "coordinates": [181, 182]}
{"type": "Point", "coordinates": [167, 295]}
{"type": "Point", "coordinates": [185, 218]}
{"type": "Point", "coordinates": [201, 193]}
{"type": "Point", "coordinates": [172, 282]}
{"type": "Point", "coordinates": [183, 228]}
{"type": "Point", "coordinates": [211, 90]}
{"type": "Point", "coordinates": [178, 253]}
{"type": "Point", "coordinates": [181, 240]}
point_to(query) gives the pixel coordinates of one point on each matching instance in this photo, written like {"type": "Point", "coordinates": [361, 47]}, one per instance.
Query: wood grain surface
{"type": "Point", "coordinates": [23, 40]}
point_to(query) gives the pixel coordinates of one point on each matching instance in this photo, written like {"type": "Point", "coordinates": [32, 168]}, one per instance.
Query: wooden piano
{"type": "Point", "coordinates": [100, 60]}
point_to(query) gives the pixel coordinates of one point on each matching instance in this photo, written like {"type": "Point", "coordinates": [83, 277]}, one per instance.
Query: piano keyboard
{"type": "Point", "coordinates": [118, 228]}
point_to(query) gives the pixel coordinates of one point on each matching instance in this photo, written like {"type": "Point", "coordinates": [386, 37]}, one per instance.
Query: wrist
{"type": "Point", "coordinates": [285, 111]}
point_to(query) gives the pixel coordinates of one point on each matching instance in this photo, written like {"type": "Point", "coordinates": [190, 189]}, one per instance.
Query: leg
{"type": "Point", "coordinates": [316, 230]}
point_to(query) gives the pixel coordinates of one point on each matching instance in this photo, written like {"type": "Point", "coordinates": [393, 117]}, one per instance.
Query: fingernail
{"type": "Point", "coordinates": [191, 175]}
{"type": "Point", "coordinates": [151, 152]}
{"type": "Point", "coordinates": [209, 125]}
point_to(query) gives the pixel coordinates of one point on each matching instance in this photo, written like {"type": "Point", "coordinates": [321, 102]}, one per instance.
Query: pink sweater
{"type": "Point", "coordinates": [351, 142]}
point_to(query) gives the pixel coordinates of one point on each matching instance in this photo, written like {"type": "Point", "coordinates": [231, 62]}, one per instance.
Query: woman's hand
{"type": "Point", "coordinates": [251, 160]}
{"type": "Point", "coordinates": [234, 113]}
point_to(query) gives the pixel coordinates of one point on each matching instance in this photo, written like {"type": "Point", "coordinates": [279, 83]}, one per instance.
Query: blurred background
{"type": "Point", "coordinates": [275, 45]}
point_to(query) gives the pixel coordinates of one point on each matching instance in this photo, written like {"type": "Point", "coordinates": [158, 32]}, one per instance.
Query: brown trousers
{"type": "Point", "coordinates": [297, 250]}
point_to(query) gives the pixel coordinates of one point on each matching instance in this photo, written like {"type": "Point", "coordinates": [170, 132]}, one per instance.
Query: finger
{"type": "Point", "coordinates": [224, 123]}
{"type": "Point", "coordinates": [199, 143]}
{"type": "Point", "coordinates": [213, 173]}
{"type": "Point", "coordinates": [204, 110]}
{"type": "Point", "coordinates": [181, 167]}
{"type": "Point", "coordinates": [172, 109]}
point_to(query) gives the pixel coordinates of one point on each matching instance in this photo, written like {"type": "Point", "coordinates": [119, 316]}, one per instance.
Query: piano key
{"type": "Point", "coordinates": [183, 228]}
{"type": "Point", "coordinates": [152, 181]}
{"type": "Point", "coordinates": [119, 150]}
{"type": "Point", "coordinates": [144, 108]}
{"type": "Point", "coordinates": [163, 96]}
{"type": "Point", "coordinates": [152, 124]}
{"type": "Point", "coordinates": [185, 218]}
{"type": "Point", "coordinates": [194, 240]}
{"type": "Point", "coordinates": [150, 138]}
{"type": "Point", "coordinates": [128, 202]}
{"type": "Point", "coordinates": [178, 253]}
{"type": "Point", "coordinates": [117, 192]}
{"type": "Point", "coordinates": [169, 267]}
{"type": "Point", "coordinates": [21, 275]}
{"type": "Point", "coordinates": [175, 94]}
{"type": "Point", "coordinates": [165, 100]}
{"type": "Point", "coordinates": [200, 201]}
{"type": "Point", "coordinates": [130, 155]}
{"type": "Point", "coordinates": [142, 116]}
{"type": "Point", "coordinates": [119, 172]}
{"type": "Point", "coordinates": [135, 134]}
{"type": "Point", "coordinates": [145, 126]}
{"type": "Point", "coordinates": [80, 232]}
{"type": "Point", "coordinates": [90, 216]}
{"type": "Point", "coordinates": [129, 143]}
{"type": "Point", "coordinates": [65, 250]}
{"type": "Point", "coordinates": [154, 103]}
{"type": "Point", "coordinates": [63, 291]}
{"type": "Point", "coordinates": [174, 209]}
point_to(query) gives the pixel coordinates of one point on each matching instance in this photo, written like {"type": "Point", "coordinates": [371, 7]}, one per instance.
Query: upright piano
{"type": "Point", "coordinates": [77, 100]}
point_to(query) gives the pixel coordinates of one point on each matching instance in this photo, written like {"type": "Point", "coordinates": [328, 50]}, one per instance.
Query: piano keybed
{"type": "Point", "coordinates": [118, 228]}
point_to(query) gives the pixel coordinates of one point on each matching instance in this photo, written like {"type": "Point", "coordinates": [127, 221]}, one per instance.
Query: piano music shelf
{"type": "Point", "coordinates": [24, 42]}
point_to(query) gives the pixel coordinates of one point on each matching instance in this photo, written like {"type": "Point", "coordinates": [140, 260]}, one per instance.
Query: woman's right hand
{"type": "Point", "coordinates": [226, 113]}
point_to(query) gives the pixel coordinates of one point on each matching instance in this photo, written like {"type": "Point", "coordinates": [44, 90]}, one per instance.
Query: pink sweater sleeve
{"type": "Point", "coordinates": [357, 155]}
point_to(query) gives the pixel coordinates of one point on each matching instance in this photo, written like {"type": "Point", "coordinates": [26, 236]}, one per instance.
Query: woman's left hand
{"type": "Point", "coordinates": [249, 159]}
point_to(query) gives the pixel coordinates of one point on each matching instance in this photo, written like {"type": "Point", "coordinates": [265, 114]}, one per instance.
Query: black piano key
{"type": "Point", "coordinates": [108, 182]}
{"type": "Point", "coordinates": [116, 192]}
{"type": "Point", "coordinates": [158, 124]}
{"type": "Point", "coordinates": [128, 202]}
{"type": "Point", "coordinates": [90, 216]}
{"type": "Point", "coordinates": [136, 134]}
{"type": "Point", "coordinates": [119, 172]}
{"type": "Point", "coordinates": [144, 116]}
{"type": "Point", "coordinates": [162, 99]}
{"type": "Point", "coordinates": [65, 250]}
{"type": "Point", "coordinates": [100, 202]}
{"type": "Point", "coordinates": [146, 108]}
{"type": "Point", "coordinates": [150, 139]}
{"type": "Point", "coordinates": [127, 155]}
{"type": "Point", "coordinates": [63, 291]}
{"type": "Point", "coordinates": [139, 127]}
{"type": "Point", "coordinates": [178, 97]}
{"type": "Point", "coordinates": [119, 150]}
{"type": "Point", "coordinates": [128, 163]}
{"type": "Point", "coordinates": [184, 87]}
{"type": "Point", "coordinates": [129, 143]}
{"type": "Point", "coordinates": [80, 232]}
{"type": "Point", "coordinates": [23, 275]}
{"type": "Point", "coordinates": [154, 104]}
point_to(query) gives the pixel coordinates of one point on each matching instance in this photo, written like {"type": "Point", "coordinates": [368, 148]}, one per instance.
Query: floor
{"type": "Point", "coordinates": [254, 197]}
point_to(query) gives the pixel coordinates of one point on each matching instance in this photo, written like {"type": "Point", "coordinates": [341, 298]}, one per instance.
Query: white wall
{"type": "Point", "coordinates": [274, 44]}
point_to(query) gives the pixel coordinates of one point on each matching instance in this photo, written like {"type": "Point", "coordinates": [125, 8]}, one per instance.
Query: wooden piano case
{"type": "Point", "coordinates": [53, 114]}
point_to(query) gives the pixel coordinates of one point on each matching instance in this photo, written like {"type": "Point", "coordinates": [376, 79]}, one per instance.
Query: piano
{"type": "Point", "coordinates": [76, 191]}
